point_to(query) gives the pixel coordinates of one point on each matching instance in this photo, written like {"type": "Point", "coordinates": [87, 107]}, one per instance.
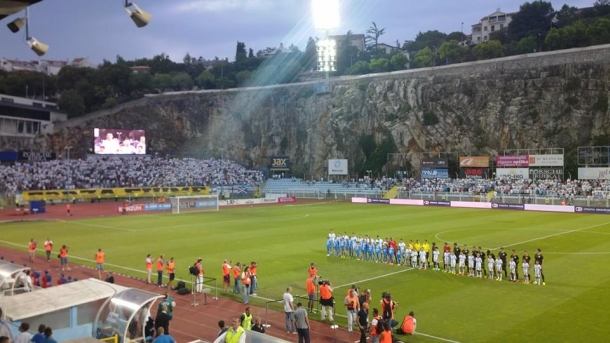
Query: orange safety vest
{"type": "Point", "coordinates": [160, 264]}
{"type": "Point", "coordinates": [32, 246]}
{"type": "Point", "coordinates": [352, 300]}
{"type": "Point", "coordinates": [408, 325]}
{"type": "Point", "coordinates": [236, 272]}
{"type": "Point", "coordinates": [325, 292]}
{"type": "Point", "coordinates": [48, 246]}
{"type": "Point", "coordinates": [245, 278]}
{"type": "Point", "coordinates": [310, 286]}
{"type": "Point", "coordinates": [374, 327]}
{"type": "Point", "coordinates": [68, 207]}
{"type": "Point", "coordinates": [170, 267]}
{"type": "Point", "coordinates": [390, 305]}
{"type": "Point", "coordinates": [100, 257]}
{"type": "Point", "coordinates": [253, 270]}
{"type": "Point", "coordinates": [385, 337]}
{"type": "Point", "coordinates": [148, 263]}
{"type": "Point", "coordinates": [226, 270]}
{"type": "Point", "coordinates": [313, 272]}
{"type": "Point", "coordinates": [200, 268]}
{"type": "Point", "coordinates": [63, 252]}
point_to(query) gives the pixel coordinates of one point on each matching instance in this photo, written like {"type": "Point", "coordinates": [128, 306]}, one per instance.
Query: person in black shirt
{"type": "Point", "coordinates": [515, 258]}
{"type": "Point", "coordinates": [502, 256]}
{"type": "Point", "coordinates": [482, 254]}
{"type": "Point", "coordinates": [363, 321]}
{"type": "Point", "coordinates": [526, 258]}
{"type": "Point", "coordinates": [456, 250]}
{"type": "Point", "coordinates": [539, 258]}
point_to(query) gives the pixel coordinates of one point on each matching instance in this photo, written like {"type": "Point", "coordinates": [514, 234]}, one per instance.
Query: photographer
{"type": "Point", "coordinates": [387, 309]}
{"type": "Point", "coordinates": [326, 299]}
{"type": "Point", "coordinates": [353, 306]}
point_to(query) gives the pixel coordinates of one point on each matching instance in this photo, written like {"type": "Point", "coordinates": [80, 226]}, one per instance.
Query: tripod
{"type": "Point", "coordinates": [194, 290]}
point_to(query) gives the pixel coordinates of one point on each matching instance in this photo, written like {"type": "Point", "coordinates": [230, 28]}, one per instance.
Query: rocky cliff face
{"type": "Point", "coordinates": [541, 101]}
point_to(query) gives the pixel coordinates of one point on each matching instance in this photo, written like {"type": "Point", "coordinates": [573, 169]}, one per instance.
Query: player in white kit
{"type": "Point", "coordinates": [453, 260]}
{"type": "Point", "coordinates": [478, 261]}
{"type": "Point", "coordinates": [526, 271]}
{"type": "Point", "coordinates": [490, 266]}
{"type": "Point", "coordinates": [447, 261]}
{"type": "Point", "coordinates": [537, 272]}
{"type": "Point", "coordinates": [423, 263]}
{"type": "Point", "coordinates": [471, 265]}
{"type": "Point", "coordinates": [512, 266]}
{"type": "Point", "coordinates": [413, 259]}
{"type": "Point", "coordinates": [435, 256]}
{"type": "Point", "coordinates": [462, 264]}
{"type": "Point", "coordinates": [499, 264]}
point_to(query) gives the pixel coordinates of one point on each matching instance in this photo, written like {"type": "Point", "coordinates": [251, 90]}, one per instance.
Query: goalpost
{"type": "Point", "coordinates": [194, 203]}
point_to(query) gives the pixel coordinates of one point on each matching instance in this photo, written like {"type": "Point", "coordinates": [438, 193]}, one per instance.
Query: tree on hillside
{"type": "Point", "coordinates": [359, 68]}
{"type": "Point", "coordinates": [602, 7]}
{"type": "Point", "coordinates": [452, 51]}
{"type": "Point", "coordinates": [242, 78]}
{"type": "Point", "coordinates": [373, 34]}
{"type": "Point", "coordinates": [425, 57]}
{"type": "Point", "coordinates": [399, 61]}
{"type": "Point", "coordinates": [430, 39]}
{"type": "Point", "coordinates": [240, 52]}
{"type": "Point", "coordinates": [457, 36]}
{"type": "Point", "coordinates": [309, 59]}
{"type": "Point", "coordinates": [72, 103]}
{"type": "Point", "coordinates": [380, 65]}
{"type": "Point", "coordinates": [347, 54]}
{"type": "Point", "coordinates": [489, 49]}
{"type": "Point", "coordinates": [205, 80]}
{"type": "Point", "coordinates": [567, 15]}
{"type": "Point", "coordinates": [527, 45]}
{"type": "Point", "coordinates": [533, 19]}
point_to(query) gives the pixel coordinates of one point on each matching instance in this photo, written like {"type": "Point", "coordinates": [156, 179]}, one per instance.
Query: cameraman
{"type": "Point", "coordinates": [353, 306]}
{"type": "Point", "coordinates": [326, 299]}
{"type": "Point", "coordinates": [387, 309]}
{"type": "Point", "coordinates": [310, 286]}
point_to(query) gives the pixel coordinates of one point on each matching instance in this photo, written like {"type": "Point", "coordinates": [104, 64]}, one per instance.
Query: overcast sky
{"type": "Point", "coordinates": [101, 29]}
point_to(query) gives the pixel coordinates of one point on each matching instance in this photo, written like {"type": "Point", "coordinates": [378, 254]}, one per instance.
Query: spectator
{"type": "Point", "coordinates": [162, 321]}
{"type": "Point", "coordinates": [234, 331]}
{"type": "Point", "coordinates": [302, 323]}
{"type": "Point", "coordinates": [39, 337]}
{"type": "Point", "coordinates": [258, 325]}
{"type": "Point", "coordinates": [409, 325]}
{"type": "Point", "coordinates": [24, 336]}
{"type": "Point", "coordinates": [223, 328]}
{"type": "Point", "coordinates": [163, 337]}
{"type": "Point", "coordinates": [5, 329]}
{"type": "Point", "coordinates": [48, 336]}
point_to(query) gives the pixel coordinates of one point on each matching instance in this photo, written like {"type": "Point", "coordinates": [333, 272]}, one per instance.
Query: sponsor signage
{"type": "Point", "coordinates": [337, 167]}
{"type": "Point", "coordinates": [282, 200]}
{"type": "Point", "coordinates": [8, 155]}
{"type": "Point", "coordinates": [435, 173]}
{"type": "Point", "coordinates": [377, 201]}
{"type": "Point", "coordinates": [157, 207]}
{"type": "Point", "coordinates": [131, 208]}
{"type": "Point", "coordinates": [437, 203]}
{"type": "Point", "coordinates": [513, 173]}
{"type": "Point", "coordinates": [553, 160]}
{"type": "Point", "coordinates": [474, 173]}
{"type": "Point", "coordinates": [35, 156]}
{"type": "Point", "coordinates": [512, 161]}
{"type": "Point", "coordinates": [545, 173]}
{"type": "Point", "coordinates": [594, 173]}
{"type": "Point", "coordinates": [279, 163]}
{"type": "Point", "coordinates": [498, 206]}
{"type": "Point", "coordinates": [474, 162]}
{"type": "Point", "coordinates": [434, 163]}
{"type": "Point", "coordinates": [586, 209]}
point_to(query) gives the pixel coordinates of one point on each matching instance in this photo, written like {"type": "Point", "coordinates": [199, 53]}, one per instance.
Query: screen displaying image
{"type": "Point", "coordinates": [119, 142]}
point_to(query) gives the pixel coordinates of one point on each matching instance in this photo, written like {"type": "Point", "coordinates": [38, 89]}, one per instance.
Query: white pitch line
{"type": "Point", "coordinates": [98, 226]}
{"type": "Point", "coordinates": [435, 337]}
{"type": "Point", "coordinates": [553, 235]}
{"type": "Point", "coordinates": [374, 278]}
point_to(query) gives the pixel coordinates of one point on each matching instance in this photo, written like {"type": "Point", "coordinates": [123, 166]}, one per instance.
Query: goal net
{"type": "Point", "coordinates": [195, 203]}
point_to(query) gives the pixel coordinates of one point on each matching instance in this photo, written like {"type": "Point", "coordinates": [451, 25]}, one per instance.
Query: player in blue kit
{"type": "Point", "coordinates": [357, 250]}
{"type": "Point", "coordinates": [329, 246]}
{"type": "Point", "coordinates": [337, 247]}
{"type": "Point", "coordinates": [399, 257]}
{"type": "Point", "coordinates": [390, 259]}
{"type": "Point", "coordinates": [370, 249]}
{"type": "Point", "coordinates": [377, 252]}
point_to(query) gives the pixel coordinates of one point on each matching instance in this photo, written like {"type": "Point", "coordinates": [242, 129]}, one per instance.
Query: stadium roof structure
{"type": "Point", "coordinates": [10, 7]}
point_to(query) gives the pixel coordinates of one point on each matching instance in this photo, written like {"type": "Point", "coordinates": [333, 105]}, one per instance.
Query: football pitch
{"type": "Point", "coordinates": [285, 239]}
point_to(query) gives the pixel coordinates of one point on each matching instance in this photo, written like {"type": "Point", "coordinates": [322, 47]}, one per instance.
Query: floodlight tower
{"type": "Point", "coordinates": [326, 17]}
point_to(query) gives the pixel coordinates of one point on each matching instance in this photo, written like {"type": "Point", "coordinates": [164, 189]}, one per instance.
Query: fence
{"type": "Point", "coordinates": [278, 306]}
{"type": "Point", "coordinates": [330, 194]}
{"type": "Point", "coordinates": [509, 198]}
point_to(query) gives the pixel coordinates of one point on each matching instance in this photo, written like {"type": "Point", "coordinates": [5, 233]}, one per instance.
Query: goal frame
{"type": "Point", "coordinates": [177, 200]}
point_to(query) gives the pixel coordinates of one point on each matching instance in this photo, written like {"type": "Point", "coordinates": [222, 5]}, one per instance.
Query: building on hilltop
{"type": "Point", "coordinates": [23, 117]}
{"type": "Point", "coordinates": [357, 40]}
{"type": "Point", "coordinates": [48, 67]}
{"type": "Point", "coordinates": [494, 22]}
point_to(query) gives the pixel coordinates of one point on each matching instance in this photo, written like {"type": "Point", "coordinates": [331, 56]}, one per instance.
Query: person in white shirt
{"type": "Point", "coordinates": [24, 336]}
{"type": "Point", "coordinates": [526, 271]}
{"type": "Point", "coordinates": [512, 267]}
{"type": "Point", "coordinates": [479, 265]}
{"type": "Point", "coordinates": [435, 256]}
{"type": "Point", "coordinates": [462, 263]}
{"type": "Point", "coordinates": [5, 329]}
{"type": "Point", "coordinates": [499, 268]}
{"type": "Point", "coordinates": [537, 272]}
{"type": "Point", "coordinates": [470, 264]}
{"type": "Point", "coordinates": [453, 259]}
{"type": "Point", "coordinates": [490, 265]}
{"type": "Point", "coordinates": [422, 259]}
{"type": "Point", "coordinates": [288, 302]}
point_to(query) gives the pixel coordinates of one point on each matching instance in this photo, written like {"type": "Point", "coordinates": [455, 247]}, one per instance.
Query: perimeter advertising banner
{"type": "Point", "coordinates": [474, 173]}
{"type": "Point", "coordinates": [512, 161]}
{"type": "Point", "coordinates": [474, 162]}
{"type": "Point", "coordinates": [513, 173]}
{"type": "Point", "coordinates": [434, 163]}
{"type": "Point", "coordinates": [435, 173]}
{"type": "Point", "coordinates": [337, 167]}
{"type": "Point", "coordinates": [599, 173]}
{"type": "Point", "coordinates": [499, 206]}
{"type": "Point", "coordinates": [545, 173]}
{"type": "Point", "coordinates": [551, 160]}
{"type": "Point", "coordinates": [35, 156]}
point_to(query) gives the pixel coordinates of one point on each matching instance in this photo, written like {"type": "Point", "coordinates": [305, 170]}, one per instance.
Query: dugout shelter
{"type": "Point", "coordinates": [85, 308]}
{"type": "Point", "coordinates": [9, 274]}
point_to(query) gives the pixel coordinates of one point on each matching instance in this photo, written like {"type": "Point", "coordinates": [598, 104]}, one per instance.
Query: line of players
{"type": "Point", "coordinates": [418, 255]}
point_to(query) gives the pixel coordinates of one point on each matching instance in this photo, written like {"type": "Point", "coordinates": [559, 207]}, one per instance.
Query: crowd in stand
{"type": "Point", "coordinates": [548, 187]}
{"type": "Point", "coordinates": [125, 172]}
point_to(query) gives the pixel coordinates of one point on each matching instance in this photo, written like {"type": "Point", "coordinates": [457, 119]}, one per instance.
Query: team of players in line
{"type": "Point", "coordinates": [455, 260]}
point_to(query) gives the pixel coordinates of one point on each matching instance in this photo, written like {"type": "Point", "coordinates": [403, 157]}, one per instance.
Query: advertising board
{"type": "Point", "coordinates": [434, 163]}
{"type": "Point", "coordinates": [551, 160]}
{"type": "Point", "coordinates": [337, 167]}
{"type": "Point", "coordinates": [474, 162]}
{"type": "Point", "coordinates": [279, 163]}
{"type": "Point", "coordinates": [435, 173]}
{"type": "Point", "coordinates": [512, 161]}
{"type": "Point", "coordinates": [513, 173]}
{"type": "Point", "coordinates": [474, 173]}
{"type": "Point", "coordinates": [598, 173]}
{"type": "Point", "coordinates": [545, 173]}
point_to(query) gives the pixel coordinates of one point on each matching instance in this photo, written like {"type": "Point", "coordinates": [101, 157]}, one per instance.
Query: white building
{"type": "Point", "coordinates": [494, 22]}
{"type": "Point", "coordinates": [23, 117]}
{"type": "Point", "coordinates": [357, 40]}
{"type": "Point", "coordinates": [48, 67]}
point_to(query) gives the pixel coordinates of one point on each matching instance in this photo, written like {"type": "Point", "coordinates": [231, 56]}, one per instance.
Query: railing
{"type": "Point", "coordinates": [509, 198]}
{"type": "Point", "coordinates": [329, 194]}
{"type": "Point", "coordinates": [297, 298]}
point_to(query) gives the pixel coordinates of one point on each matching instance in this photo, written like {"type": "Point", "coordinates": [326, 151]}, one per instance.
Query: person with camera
{"type": "Point", "coordinates": [310, 286]}
{"type": "Point", "coordinates": [326, 299]}
{"type": "Point", "coordinates": [353, 306]}
{"type": "Point", "coordinates": [387, 309]}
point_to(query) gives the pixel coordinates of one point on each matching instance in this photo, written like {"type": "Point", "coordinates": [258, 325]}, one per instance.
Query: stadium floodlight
{"type": "Point", "coordinates": [327, 55]}
{"type": "Point", "coordinates": [139, 16]}
{"type": "Point", "coordinates": [325, 14]}
{"type": "Point", "coordinates": [38, 47]}
{"type": "Point", "coordinates": [16, 24]}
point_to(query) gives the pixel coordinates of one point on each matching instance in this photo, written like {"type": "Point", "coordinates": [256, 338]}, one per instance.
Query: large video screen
{"type": "Point", "coordinates": [119, 142]}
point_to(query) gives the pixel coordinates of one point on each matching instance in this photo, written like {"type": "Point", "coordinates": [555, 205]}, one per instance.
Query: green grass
{"type": "Point", "coordinates": [286, 239]}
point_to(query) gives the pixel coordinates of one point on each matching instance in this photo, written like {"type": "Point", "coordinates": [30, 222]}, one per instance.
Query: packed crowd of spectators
{"type": "Point", "coordinates": [125, 172]}
{"type": "Point", "coordinates": [507, 186]}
